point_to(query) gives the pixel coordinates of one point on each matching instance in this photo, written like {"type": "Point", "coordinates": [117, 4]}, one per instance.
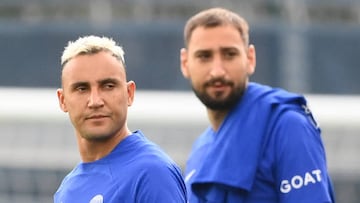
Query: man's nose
{"type": "Point", "coordinates": [95, 99]}
{"type": "Point", "coordinates": [217, 68]}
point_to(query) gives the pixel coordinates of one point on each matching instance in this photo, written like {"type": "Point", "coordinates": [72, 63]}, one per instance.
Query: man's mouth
{"type": "Point", "coordinates": [94, 117]}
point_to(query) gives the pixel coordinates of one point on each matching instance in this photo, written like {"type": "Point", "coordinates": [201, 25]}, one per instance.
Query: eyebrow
{"type": "Point", "coordinates": [108, 80]}
{"type": "Point", "coordinates": [222, 50]}
{"type": "Point", "coordinates": [77, 84]}
{"type": "Point", "coordinates": [202, 51]}
{"type": "Point", "coordinates": [225, 48]}
{"type": "Point", "coordinates": [101, 82]}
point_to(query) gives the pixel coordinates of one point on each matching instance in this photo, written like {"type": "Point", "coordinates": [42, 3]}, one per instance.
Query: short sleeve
{"type": "Point", "coordinates": [301, 170]}
{"type": "Point", "coordinates": [160, 183]}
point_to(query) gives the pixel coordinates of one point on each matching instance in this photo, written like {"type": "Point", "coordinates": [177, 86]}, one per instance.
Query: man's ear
{"type": "Point", "coordinates": [184, 62]}
{"type": "Point", "coordinates": [251, 55]}
{"type": "Point", "coordinates": [60, 95]}
{"type": "Point", "coordinates": [131, 88]}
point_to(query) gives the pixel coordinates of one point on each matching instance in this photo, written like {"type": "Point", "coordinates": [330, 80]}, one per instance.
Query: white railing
{"type": "Point", "coordinates": [36, 133]}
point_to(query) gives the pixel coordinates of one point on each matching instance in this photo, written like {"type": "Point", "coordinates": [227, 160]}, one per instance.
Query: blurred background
{"type": "Point", "coordinates": [306, 46]}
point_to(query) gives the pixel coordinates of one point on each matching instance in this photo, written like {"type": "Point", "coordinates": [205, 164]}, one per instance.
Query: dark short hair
{"type": "Point", "coordinates": [216, 17]}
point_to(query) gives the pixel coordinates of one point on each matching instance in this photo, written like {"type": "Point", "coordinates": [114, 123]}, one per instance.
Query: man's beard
{"type": "Point", "coordinates": [220, 104]}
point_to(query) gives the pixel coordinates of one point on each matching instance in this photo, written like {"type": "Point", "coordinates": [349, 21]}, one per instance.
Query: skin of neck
{"type": "Point", "coordinates": [216, 118]}
{"type": "Point", "coordinates": [93, 150]}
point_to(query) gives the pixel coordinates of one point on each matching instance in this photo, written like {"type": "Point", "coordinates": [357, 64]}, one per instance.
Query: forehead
{"type": "Point", "coordinates": [93, 67]}
{"type": "Point", "coordinates": [219, 36]}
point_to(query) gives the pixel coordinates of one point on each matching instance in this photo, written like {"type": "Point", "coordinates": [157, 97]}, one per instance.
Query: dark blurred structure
{"type": "Point", "coordinates": [308, 46]}
{"type": "Point", "coordinates": [305, 46]}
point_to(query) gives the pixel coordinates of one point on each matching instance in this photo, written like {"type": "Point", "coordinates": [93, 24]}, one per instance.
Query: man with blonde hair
{"type": "Point", "coordinates": [118, 165]}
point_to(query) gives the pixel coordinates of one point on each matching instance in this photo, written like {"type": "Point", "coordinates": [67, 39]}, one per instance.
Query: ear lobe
{"type": "Point", "coordinates": [251, 59]}
{"type": "Point", "coordinates": [183, 62]}
{"type": "Point", "coordinates": [61, 100]}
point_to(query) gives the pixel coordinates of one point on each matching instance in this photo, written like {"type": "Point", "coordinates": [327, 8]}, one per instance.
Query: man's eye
{"type": "Point", "coordinates": [204, 56]}
{"type": "Point", "coordinates": [109, 86]}
{"type": "Point", "coordinates": [81, 88]}
{"type": "Point", "coordinates": [230, 54]}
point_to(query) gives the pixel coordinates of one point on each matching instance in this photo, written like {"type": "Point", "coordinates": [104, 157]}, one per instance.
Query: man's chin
{"type": "Point", "coordinates": [220, 102]}
{"type": "Point", "coordinates": [97, 137]}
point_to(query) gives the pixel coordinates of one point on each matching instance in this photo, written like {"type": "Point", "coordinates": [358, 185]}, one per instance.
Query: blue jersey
{"type": "Point", "coordinates": [267, 150]}
{"type": "Point", "coordinates": [135, 171]}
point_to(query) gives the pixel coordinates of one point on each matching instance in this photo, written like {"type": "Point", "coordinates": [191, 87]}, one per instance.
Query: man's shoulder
{"type": "Point", "coordinates": [300, 116]}
{"type": "Point", "coordinates": [146, 156]}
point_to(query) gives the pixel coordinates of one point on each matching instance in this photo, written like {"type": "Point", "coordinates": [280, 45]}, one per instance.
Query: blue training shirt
{"type": "Point", "coordinates": [268, 150]}
{"type": "Point", "coordinates": [136, 171]}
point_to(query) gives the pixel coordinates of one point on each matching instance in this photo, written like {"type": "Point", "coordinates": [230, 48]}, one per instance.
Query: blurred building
{"type": "Point", "coordinates": [307, 46]}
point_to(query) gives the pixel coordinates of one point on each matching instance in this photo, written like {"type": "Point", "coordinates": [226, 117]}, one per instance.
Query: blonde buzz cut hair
{"type": "Point", "coordinates": [90, 45]}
